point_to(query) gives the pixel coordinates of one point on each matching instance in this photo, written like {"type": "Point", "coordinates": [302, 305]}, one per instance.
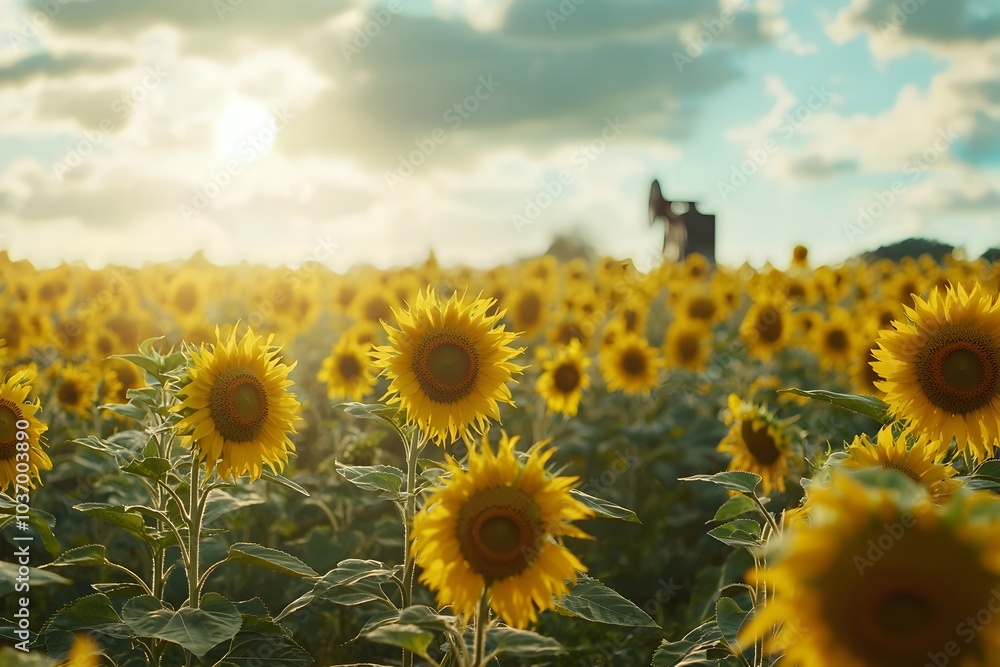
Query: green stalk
{"type": "Point", "coordinates": [194, 534]}
{"type": "Point", "coordinates": [412, 451]}
{"type": "Point", "coordinates": [482, 624]}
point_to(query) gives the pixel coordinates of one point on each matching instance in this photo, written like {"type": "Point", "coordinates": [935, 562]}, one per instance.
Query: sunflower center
{"type": "Point", "coordinates": [348, 366]}
{"type": "Point", "coordinates": [836, 340]}
{"type": "Point", "coordinates": [702, 308]}
{"type": "Point", "coordinates": [759, 443]}
{"type": "Point", "coordinates": [688, 347]}
{"type": "Point", "coordinates": [903, 469]}
{"type": "Point", "coordinates": [634, 362]}
{"type": "Point", "coordinates": [238, 404]}
{"type": "Point", "coordinates": [631, 319]}
{"type": "Point", "coordinates": [377, 309]}
{"type": "Point", "coordinates": [529, 309]}
{"type": "Point", "coordinates": [498, 531]}
{"type": "Point", "coordinates": [959, 369]}
{"type": "Point", "coordinates": [446, 364]}
{"type": "Point", "coordinates": [904, 613]}
{"type": "Point", "coordinates": [10, 414]}
{"type": "Point", "coordinates": [769, 324]}
{"type": "Point", "coordinates": [568, 333]}
{"type": "Point", "coordinates": [566, 378]}
{"type": "Point", "coordinates": [69, 393]}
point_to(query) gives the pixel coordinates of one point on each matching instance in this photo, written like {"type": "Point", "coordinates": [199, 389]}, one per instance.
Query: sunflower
{"type": "Point", "coordinates": [630, 364]}
{"type": "Point", "coordinates": [863, 375]}
{"type": "Point", "coordinates": [942, 369]}
{"type": "Point", "coordinates": [75, 388]}
{"type": "Point", "coordinates": [564, 378]}
{"type": "Point", "coordinates": [757, 442]}
{"type": "Point", "coordinates": [922, 463]}
{"type": "Point", "coordinates": [237, 407]}
{"type": "Point", "coordinates": [881, 577]}
{"type": "Point", "coordinates": [17, 415]}
{"type": "Point", "coordinates": [373, 305]}
{"type": "Point", "coordinates": [687, 345]}
{"type": "Point", "coordinates": [497, 528]}
{"type": "Point", "coordinates": [348, 371]}
{"type": "Point", "coordinates": [834, 340]}
{"type": "Point", "coordinates": [121, 376]}
{"type": "Point", "coordinates": [526, 307]}
{"type": "Point", "coordinates": [448, 364]}
{"type": "Point", "coordinates": [766, 327]}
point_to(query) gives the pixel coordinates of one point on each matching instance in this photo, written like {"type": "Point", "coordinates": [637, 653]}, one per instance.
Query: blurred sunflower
{"type": "Point", "coordinates": [448, 364]}
{"type": "Point", "coordinates": [347, 371]}
{"type": "Point", "coordinates": [687, 345]}
{"type": "Point", "coordinates": [834, 340]}
{"type": "Point", "coordinates": [74, 387]}
{"type": "Point", "coordinates": [564, 378]}
{"type": "Point", "coordinates": [630, 364]}
{"type": "Point", "coordinates": [237, 407]}
{"type": "Point", "coordinates": [922, 463]}
{"type": "Point", "coordinates": [766, 327]}
{"type": "Point", "coordinates": [373, 305]}
{"type": "Point", "coordinates": [527, 307]}
{"type": "Point", "coordinates": [17, 415]}
{"type": "Point", "coordinates": [757, 442]}
{"type": "Point", "coordinates": [842, 597]}
{"type": "Point", "coordinates": [122, 376]}
{"type": "Point", "coordinates": [84, 652]}
{"type": "Point", "coordinates": [496, 529]}
{"type": "Point", "coordinates": [942, 369]}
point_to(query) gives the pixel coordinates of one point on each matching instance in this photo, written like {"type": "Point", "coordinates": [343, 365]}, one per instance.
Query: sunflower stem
{"type": "Point", "coordinates": [194, 534]}
{"type": "Point", "coordinates": [482, 624]}
{"type": "Point", "coordinates": [412, 451]}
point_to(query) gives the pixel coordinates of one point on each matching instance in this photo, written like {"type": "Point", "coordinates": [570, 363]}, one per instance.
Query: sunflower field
{"type": "Point", "coordinates": [566, 463]}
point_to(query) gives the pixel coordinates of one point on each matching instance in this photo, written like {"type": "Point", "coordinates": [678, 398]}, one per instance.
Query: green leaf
{"type": "Point", "coordinates": [734, 507]}
{"type": "Point", "coordinates": [220, 503]}
{"type": "Point", "coordinates": [523, 643]}
{"type": "Point", "coordinates": [375, 411]}
{"type": "Point", "coordinates": [868, 406]}
{"type": "Point", "coordinates": [43, 522]}
{"type": "Point", "coordinates": [734, 480]}
{"type": "Point", "coordinates": [90, 555]}
{"type": "Point", "coordinates": [387, 480]}
{"type": "Point", "coordinates": [692, 649]}
{"type": "Point", "coordinates": [145, 363]}
{"type": "Point", "coordinates": [988, 469]}
{"type": "Point", "coordinates": [738, 533]}
{"type": "Point", "coordinates": [119, 589]}
{"type": "Point", "coordinates": [252, 649]}
{"type": "Point", "coordinates": [275, 478]}
{"type": "Point", "coordinates": [731, 618]}
{"type": "Point", "coordinates": [352, 582]}
{"type": "Point", "coordinates": [117, 515]}
{"type": "Point", "coordinates": [36, 577]}
{"type": "Point", "coordinates": [409, 637]}
{"type": "Point", "coordinates": [92, 614]}
{"type": "Point", "coordinates": [604, 508]}
{"type": "Point", "coordinates": [593, 601]}
{"type": "Point", "coordinates": [198, 630]}
{"type": "Point", "coordinates": [127, 410]}
{"type": "Point", "coordinates": [151, 468]}
{"type": "Point", "coordinates": [269, 559]}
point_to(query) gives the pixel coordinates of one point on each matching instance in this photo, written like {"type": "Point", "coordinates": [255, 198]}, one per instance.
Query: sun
{"type": "Point", "coordinates": [244, 131]}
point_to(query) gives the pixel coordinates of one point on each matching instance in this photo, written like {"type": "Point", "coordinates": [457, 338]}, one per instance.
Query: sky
{"type": "Point", "coordinates": [358, 132]}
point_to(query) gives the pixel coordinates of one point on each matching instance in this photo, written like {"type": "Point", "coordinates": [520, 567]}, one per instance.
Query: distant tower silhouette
{"type": "Point", "coordinates": [684, 233]}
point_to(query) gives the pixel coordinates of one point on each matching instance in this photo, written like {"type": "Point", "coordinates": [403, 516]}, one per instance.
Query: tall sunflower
{"type": "Point", "coordinates": [879, 577]}
{"type": "Point", "coordinates": [563, 379]}
{"type": "Point", "coordinates": [757, 442]}
{"type": "Point", "coordinates": [18, 415]}
{"type": "Point", "coordinates": [497, 528]}
{"type": "Point", "coordinates": [922, 462]}
{"type": "Point", "coordinates": [448, 365]}
{"type": "Point", "coordinates": [237, 406]}
{"type": "Point", "coordinates": [630, 364]}
{"type": "Point", "coordinates": [834, 340]}
{"type": "Point", "coordinates": [347, 371]}
{"type": "Point", "coordinates": [942, 369]}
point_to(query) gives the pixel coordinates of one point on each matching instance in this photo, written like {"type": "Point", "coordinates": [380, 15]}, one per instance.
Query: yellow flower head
{"type": "Point", "coordinates": [498, 525]}
{"type": "Point", "coordinates": [20, 434]}
{"type": "Point", "coordinates": [238, 408]}
{"type": "Point", "coordinates": [448, 365]}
